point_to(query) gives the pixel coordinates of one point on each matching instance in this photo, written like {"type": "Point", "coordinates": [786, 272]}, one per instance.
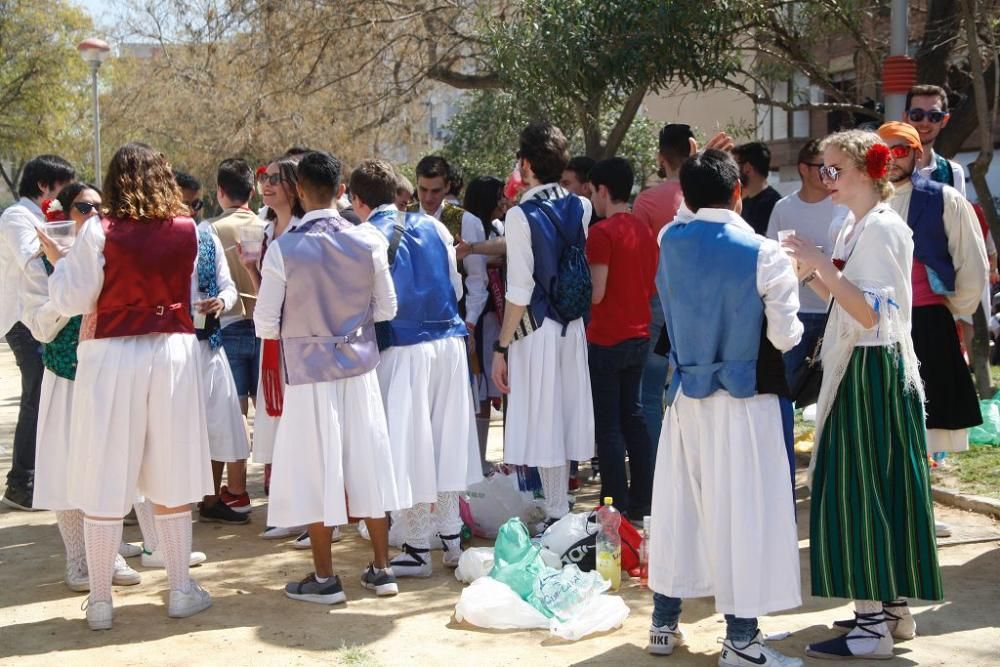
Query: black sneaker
{"type": "Point", "coordinates": [383, 582]}
{"type": "Point", "coordinates": [220, 513]}
{"type": "Point", "coordinates": [310, 590]}
{"type": "Point", "coordinates": [19, 498]}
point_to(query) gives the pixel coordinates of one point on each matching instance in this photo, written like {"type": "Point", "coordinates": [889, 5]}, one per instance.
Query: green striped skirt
{"type": "Point", "coordinates": [871, 523]}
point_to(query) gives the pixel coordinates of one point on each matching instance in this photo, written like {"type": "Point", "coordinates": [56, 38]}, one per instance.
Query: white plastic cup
{"type": "Point", "coordinates": [63, 233]}
{"type": "Point", "coordinates": [252, 240]}
{"type": "Point", "coordinates": [785, 234]}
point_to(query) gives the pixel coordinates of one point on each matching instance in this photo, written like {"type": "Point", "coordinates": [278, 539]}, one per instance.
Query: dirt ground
{"type": "Point", "coordinates": [252, 623]}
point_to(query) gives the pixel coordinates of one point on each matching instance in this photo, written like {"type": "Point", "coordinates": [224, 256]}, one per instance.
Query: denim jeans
{"type": "Point", "coordinates": [667, 611]}
{"type": "Point", "coordinates": [813, 323]}
{"type": "Point", "coordinates": [28, 355]}
{"type": "Point", "coordinates": [619, 425]}
{"type": "Point", "coordinates": [242, 347]}
{"type": "Point", "coordinates": [654, 378]}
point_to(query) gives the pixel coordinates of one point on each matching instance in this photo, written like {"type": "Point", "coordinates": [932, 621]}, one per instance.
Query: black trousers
{"type": "Point", "coordinates": [28, 354]}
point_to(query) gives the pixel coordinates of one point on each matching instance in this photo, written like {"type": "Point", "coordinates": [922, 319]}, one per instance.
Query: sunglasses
{"type": "Point", "coordinates": [901, 151]}
{"type": "Point", "coordinates": [85, 207]}
{"type": "Point", "coordinates": [829, 173]}
{"type": "Point", "coordinates": [934, 116]}
{"type": "Point", "coordinates": [195, 205]}
{"type": "Point", "coordinates": [272, 179]}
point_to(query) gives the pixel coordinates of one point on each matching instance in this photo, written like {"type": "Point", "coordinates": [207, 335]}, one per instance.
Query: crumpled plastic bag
{"type": "Point", "coordinates": [517, 561]}
{"type": "Point", "coordinates": [987, 433]}
{"type": "Point", "coordinates": [600, 614]}
{"type": "Point", "coordinates": [488, 603]}
{"type": "Point", "coordinates": [475, 562]}
{"type": "Point", "coordinates": [495, 500]}
{"type": "Point", "coordinates": [567, 590]}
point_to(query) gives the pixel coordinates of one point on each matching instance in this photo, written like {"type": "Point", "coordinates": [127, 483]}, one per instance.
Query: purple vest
{"type": "Point", "coordinates": [327, 326]}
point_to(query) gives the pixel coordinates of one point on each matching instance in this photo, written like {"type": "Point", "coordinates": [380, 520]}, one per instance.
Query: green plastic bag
{"type": "Point", "coordinates": [518, 563]}
{"type": "Point", "coordinates": [987, 433]}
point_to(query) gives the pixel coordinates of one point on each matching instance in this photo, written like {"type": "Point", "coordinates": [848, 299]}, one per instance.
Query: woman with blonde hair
{"type": "Point", "coordinates": [871, 519]}
{"type": "Point", "coordinates": [138, 415]}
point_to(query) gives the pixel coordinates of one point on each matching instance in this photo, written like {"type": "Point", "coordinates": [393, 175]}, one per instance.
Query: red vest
{"type": "Point", "coordinates": [147, 277]}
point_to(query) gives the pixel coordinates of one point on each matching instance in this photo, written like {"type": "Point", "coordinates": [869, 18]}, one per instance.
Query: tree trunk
{"type": "Point", "coordinates": [981, 347]}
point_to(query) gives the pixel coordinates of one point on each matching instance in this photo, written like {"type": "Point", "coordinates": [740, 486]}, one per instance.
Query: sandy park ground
{"type": "Point", "coordinates": [252, 623]}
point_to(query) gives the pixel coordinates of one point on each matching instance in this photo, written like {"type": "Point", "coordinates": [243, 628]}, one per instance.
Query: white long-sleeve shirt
{"type": "Point", "coordinates": [271, 296]}
{"type": "Point", "coordinates": [520, 260]}
{"type": "Point", "coordinates": [37, 312]}
{"type": "Point", "coordinates": [18, 245]}
{"type": "Point", "coordinates": [78, 279]}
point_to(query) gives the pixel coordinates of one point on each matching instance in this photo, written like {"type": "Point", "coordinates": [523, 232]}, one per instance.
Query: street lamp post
{"type": "Point", "coordinates": [94, 52]}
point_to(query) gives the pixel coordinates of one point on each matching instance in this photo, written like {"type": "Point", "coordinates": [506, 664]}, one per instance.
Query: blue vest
{"type": "Point", "coordinates": [930, 243]}
{"type": "Point", "coordinates": [707, 281]}
{"type": "Point", "coordinates": [547, 247]}
{"type": "Point", "coordinates": [426, 307]}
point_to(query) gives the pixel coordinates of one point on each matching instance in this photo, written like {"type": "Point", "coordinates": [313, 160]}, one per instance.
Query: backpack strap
{"type": "Point", "coordinates": [397, 236]}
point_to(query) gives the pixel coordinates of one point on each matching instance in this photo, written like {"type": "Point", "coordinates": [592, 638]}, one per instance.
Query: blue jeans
{"type": "Point", "coordinates": [242, 347]}
{"type": "Point", "coordinates": [667, 611]}
{"type": "Point", "coordinates": [28, 355]}
{"type": "Point", "coordinates": [654, 378]}
{"type": "Point", "coordinates": [619, 426]}
{"type": "Point", "coordinates": [813, 323]}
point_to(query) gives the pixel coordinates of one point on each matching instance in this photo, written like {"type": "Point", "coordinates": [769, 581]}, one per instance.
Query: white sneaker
{"type": "Point", "coordinates": [99, 614]}
{"type": "Point", "coordinates": [942, 529]}
{"type": "Point", "coordinates": [754, 654]}
{"type": "Point", "coordinates": [124, 575]}
{"type": "Point", "coordinates": [155, 559]}
{"type": "Point", "coordinates": [127, 550]}
{"type": "Point", "coordinates": [452, 550]}
{"type": "Point", "coordinates": [77, 578]}
{"type": "Point", "coordinates": [188, 602]}
{"type": "Point", "coordinates": [303, 541]}
{"type": "Point", "coordinates": [412, 562]}
{"type": "Point", "coordinates": [279, 533]}
{"type": "Point", "coordinates": [663, 639]}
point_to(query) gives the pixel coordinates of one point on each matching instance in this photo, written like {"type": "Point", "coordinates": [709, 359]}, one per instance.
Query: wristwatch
{"type": "Point", "coordinates": [497, 347]}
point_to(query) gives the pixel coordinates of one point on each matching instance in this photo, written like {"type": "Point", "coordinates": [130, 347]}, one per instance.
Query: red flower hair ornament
{"type": "Point", "coordinates": [53, 210]}
{"type": "Point", "coordinates": [877, 161]}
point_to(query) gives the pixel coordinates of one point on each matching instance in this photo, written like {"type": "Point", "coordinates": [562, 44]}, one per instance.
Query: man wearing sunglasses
{"type": "Point", "coordinates": [949, 274]}
{"type": "Point", "coordinates": [927, 112]}
{"type": "Point", "coordinates": [190, 192]}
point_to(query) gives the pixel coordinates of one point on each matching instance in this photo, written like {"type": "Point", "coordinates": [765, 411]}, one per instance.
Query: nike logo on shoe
{"type": "Point", "coordinates": [759, 660]}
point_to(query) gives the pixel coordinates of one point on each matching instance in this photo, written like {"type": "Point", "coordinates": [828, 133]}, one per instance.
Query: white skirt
{"type": "Point", "coordinates": [227, 433]}
{"type": "Point", "coordinates": [138, 424]}
{"type": "Point", "coordinates": [431, 417]}
{"type": "Point", "coordinates": [723, 520]}
{"type": "Point", "coordinates": [550, 410]}
{"type": "Point", "coordinates": [55, 408]}
{"type": "Point", "coordinates": [265, 427]}
{"type": "Point", "coordinates": [332, 440]}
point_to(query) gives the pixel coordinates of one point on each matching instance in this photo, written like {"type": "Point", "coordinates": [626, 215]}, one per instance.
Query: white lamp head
{"type": "Point", "coordinates": [94, 51]}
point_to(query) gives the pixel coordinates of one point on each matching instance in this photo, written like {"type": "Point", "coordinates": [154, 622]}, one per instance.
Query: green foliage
{"type": "Point", "coordinates": [483, 135]}
{"type": "Point", "coordinates": [44, 84]}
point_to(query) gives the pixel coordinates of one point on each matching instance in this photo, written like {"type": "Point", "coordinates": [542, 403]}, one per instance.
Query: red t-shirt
{"type": "Point", "coordinates": [658, 205]}
{"type": "Point", "coordinates": [627, 246]}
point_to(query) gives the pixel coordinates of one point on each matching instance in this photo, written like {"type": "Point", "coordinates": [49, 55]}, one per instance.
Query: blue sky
{"type": "Point", "coordinates": [101, 10]}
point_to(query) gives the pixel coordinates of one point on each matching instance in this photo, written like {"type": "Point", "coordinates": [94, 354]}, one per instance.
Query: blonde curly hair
{"type": "Point", "coordinates": [855, 144]}
{"type": "Point", "coordinates": [140, 186]}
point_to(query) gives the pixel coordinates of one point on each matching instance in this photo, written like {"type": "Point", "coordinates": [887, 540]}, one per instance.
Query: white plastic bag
{"type": "Point", "coordinates": [496, 499]}
{"type": "Point", "coordinates": [488, 603]}
{"type": "Point", "coordinates": [568, 531]}
{"type": "Point", "coordinates": [599, 614]}
{"type": "Point", "coordinates": [565, 592]}
{"type": "Point", "coordinates": [474, 563]}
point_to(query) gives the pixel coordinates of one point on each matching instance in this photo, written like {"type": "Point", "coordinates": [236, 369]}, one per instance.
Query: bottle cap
{"type": "Point", "coordinates": [646, 520]}
{"type": "Point", "coordinates": [608, 500]}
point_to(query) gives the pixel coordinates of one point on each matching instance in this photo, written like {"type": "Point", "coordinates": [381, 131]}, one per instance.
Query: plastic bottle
{"type": "Point", "coordinates": [609, 544]}
{"type": "Point", "coordinates": [644, 554]}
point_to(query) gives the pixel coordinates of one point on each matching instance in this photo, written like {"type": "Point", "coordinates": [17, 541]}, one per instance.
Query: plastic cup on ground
{"type": "Point", "coordinates": [63, 233]}
{"type": "Point", "coordinates": [251, 240]}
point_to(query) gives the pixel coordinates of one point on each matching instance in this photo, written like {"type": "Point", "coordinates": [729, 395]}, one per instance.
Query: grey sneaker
{"type": "Point", "coordinates": [124, 575]}
{"type": "Point", "coordinates": [188, 602]}
{"type": "Point", "coordinates": [310, 590]}
{"type": "Point", "coordinates": [99, 614]}
{"type": "Point", "coordinates": [383, 582]}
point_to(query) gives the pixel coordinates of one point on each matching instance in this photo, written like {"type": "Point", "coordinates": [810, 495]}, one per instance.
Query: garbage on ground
{"type": "Point", "coordinates": [497, 498]}
{"type": "Point", "coordinates": [523, 592]}
{"type": "Point", "coordinates": [474, 563]}
{"type": "Point", "coordinates": [574, 539]}
{"type": "Point", "coordinates": [987, 433]}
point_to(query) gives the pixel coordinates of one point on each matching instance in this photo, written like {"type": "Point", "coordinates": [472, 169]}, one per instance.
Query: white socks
{"type": "Point", "coordinates": [418, 526]}
{"type": "Point", "coordinates": [862, 641]}
{"type": "Point", "coordinates": [144, 513]}
{"type": "Point", "coordinates": [70, 524]}
{"type": "Point", "coordinates": [446, 514]}
{"type": "Point", "coordinates": [102, 537]}
{"type": "Point", "coordinates": [174, 531]}
{"type": "Point", "coordinates": [555, 483]}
